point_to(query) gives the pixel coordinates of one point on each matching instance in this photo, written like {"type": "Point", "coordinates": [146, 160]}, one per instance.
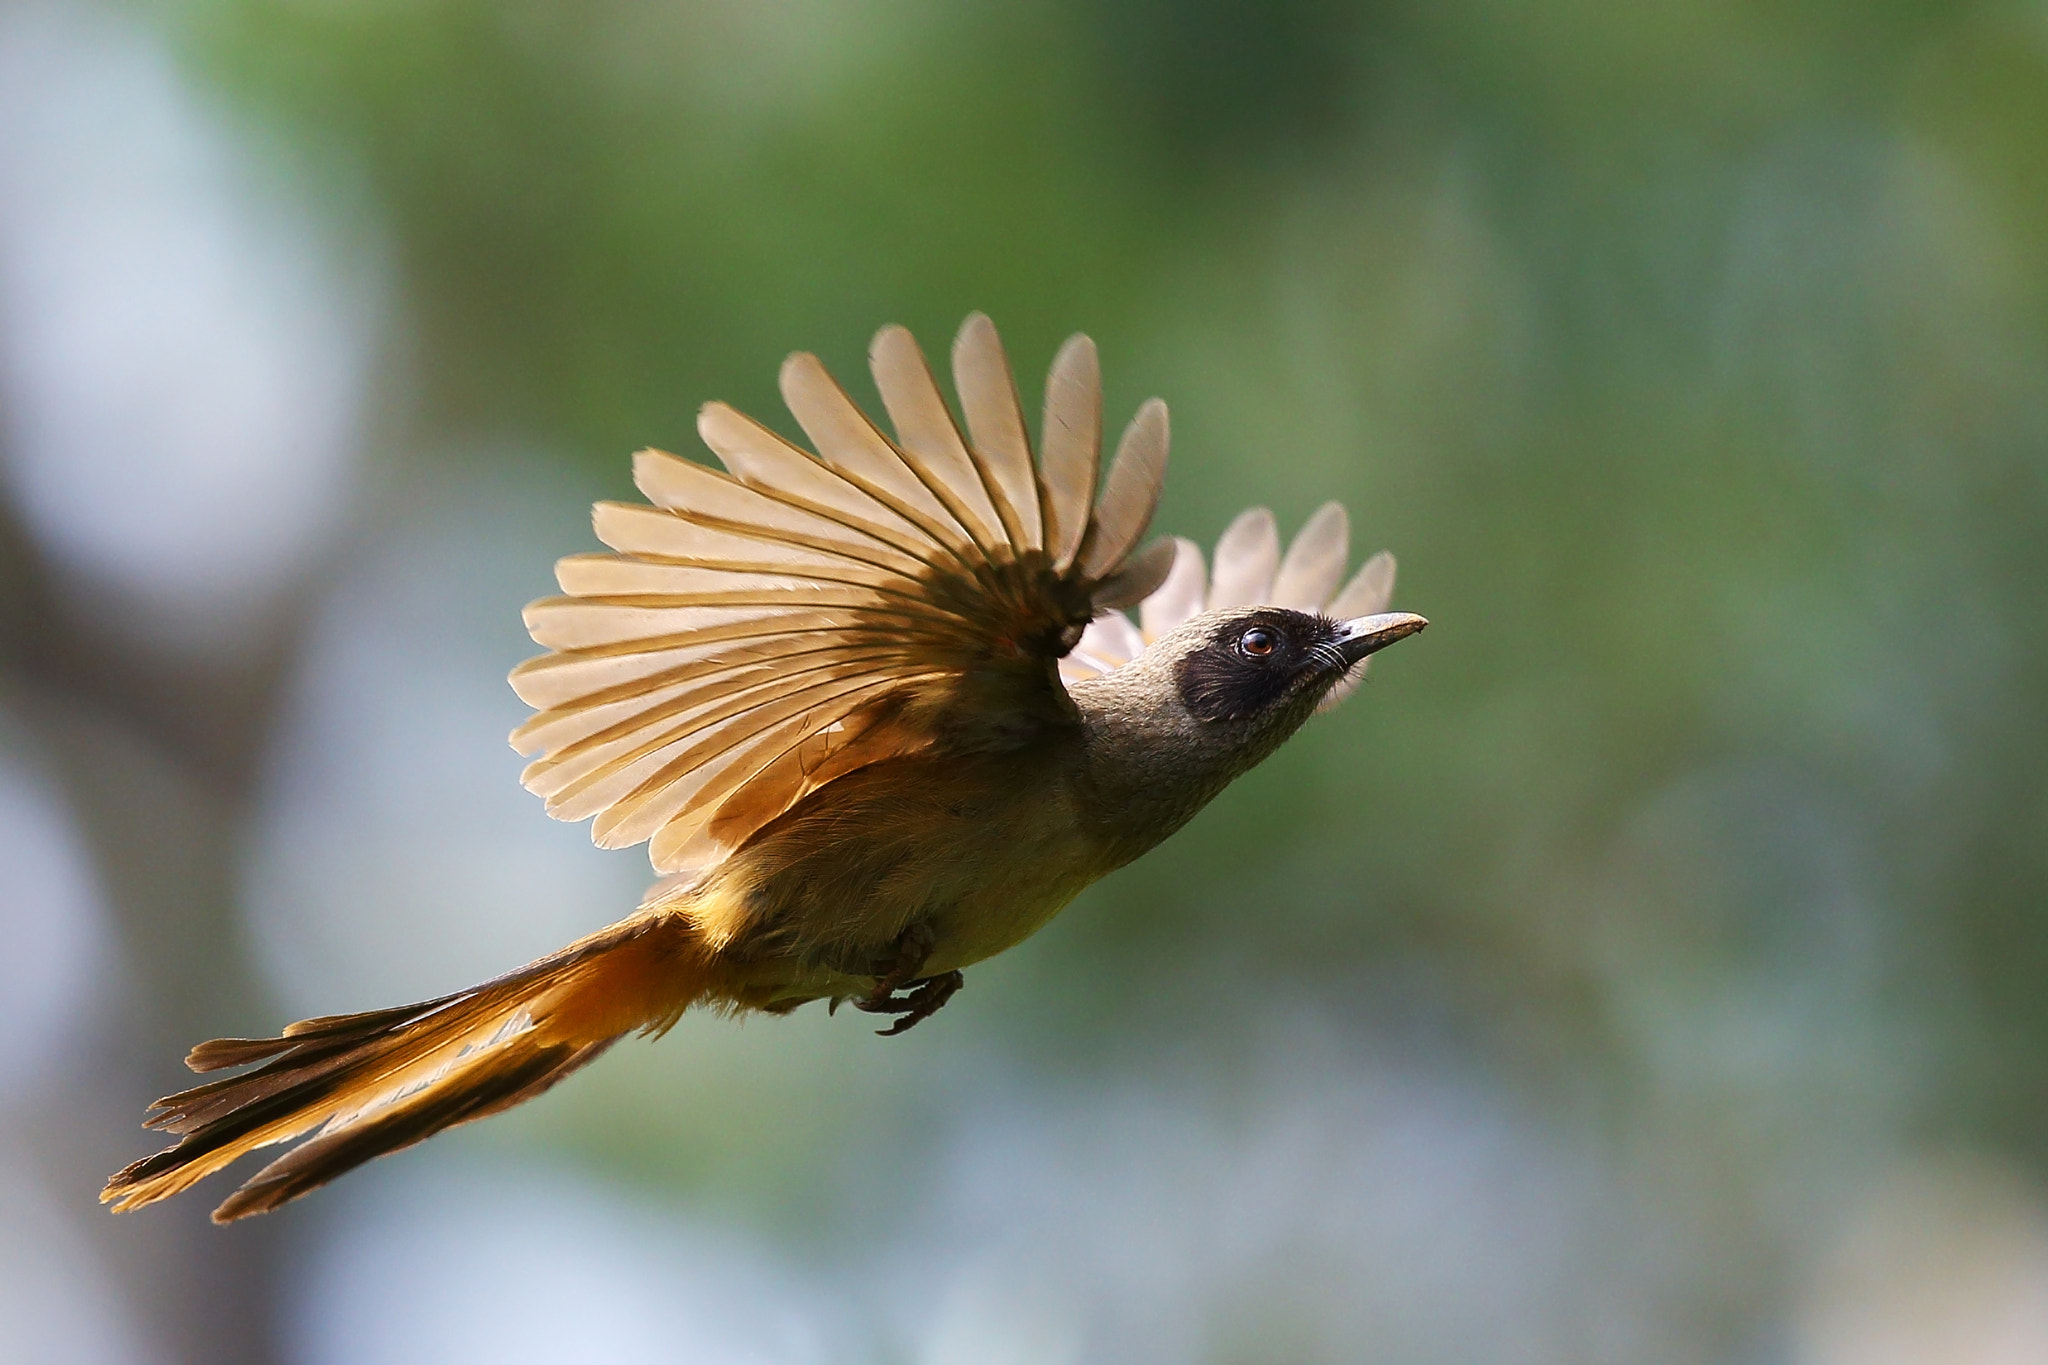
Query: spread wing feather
{"type": "Point", "coordinates": [1139, 577]}
{"type": "Point", "coordinates": [1315, 560]}
{"type": "Point", "coordinates": [1249, 571]}
{"type": "Point", "coordinates": [709, 498]}
{"type": "Point", "coordinates": [1072, 447]}
{"type": "Point", "coordinates": [853, 445]}
{"type": "Point", "coordinates": [759, 631]}
{"type": "Point", "coordinates": [988, 396]}
{"type": "Point", "coordinates": [1367, 594]}
{"type": "Point", "coordinates": [764, 461]}
{"type": "Point", "coordinates": [1185, 592]}
{"type": "Point", "coordinates": [659, 535]}
{"type": "Point", "coordinates": [1369, 590]}
{"type": "Point", "coordinates": [1247, 557]}
{"type": "Point", "coordinates": [1131, 493]}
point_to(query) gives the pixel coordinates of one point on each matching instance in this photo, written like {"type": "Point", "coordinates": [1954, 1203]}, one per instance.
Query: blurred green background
{"type": "Point", "coordinates": [1647, 966]}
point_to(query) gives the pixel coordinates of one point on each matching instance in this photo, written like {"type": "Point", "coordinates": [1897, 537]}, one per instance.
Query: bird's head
{"type": "Point", "coordinates": [1216, 695]}
{"type": "Point", "coordinates": [1255, 668]}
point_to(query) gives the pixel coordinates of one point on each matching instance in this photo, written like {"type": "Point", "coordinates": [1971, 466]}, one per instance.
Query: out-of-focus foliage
{"type": "Point", "coordinates": [1692, 357]}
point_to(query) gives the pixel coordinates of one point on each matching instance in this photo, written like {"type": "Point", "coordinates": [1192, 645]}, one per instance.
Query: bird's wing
{"type": "Point", "coordinates": [1249, 570]}
{"type": "Point", "coordinates": [763, 631]}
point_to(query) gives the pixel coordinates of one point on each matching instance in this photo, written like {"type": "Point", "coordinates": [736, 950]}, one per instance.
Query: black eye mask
{"type": "Point", "coordinates": [1223, 680]}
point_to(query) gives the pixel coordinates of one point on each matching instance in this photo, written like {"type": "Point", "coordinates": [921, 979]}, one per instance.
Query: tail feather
{"type": "Point", "coordinates": [366, 1084]}
{"type": "Point", "coordinates": [296, 1063]}
{"type": "Point", "coordinates": [492, 1088]}
{"type": "Point", "coordinates": [305, 1034]}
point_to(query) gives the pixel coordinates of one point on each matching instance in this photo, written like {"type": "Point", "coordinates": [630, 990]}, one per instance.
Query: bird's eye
{"type": "Point", "coordinates": [1257, 642]}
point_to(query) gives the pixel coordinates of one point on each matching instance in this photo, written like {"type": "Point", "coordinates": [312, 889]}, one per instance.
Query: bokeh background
{"type": "Point", "coordinates": [1651, 966]}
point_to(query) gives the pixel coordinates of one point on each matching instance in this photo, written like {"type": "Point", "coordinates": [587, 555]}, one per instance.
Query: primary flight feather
{"type": "Point", "coordinates": [877, 713]}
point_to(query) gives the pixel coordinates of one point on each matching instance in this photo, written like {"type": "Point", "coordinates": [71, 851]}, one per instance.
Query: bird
{"type": "Point", "coordinates": [878, 712]}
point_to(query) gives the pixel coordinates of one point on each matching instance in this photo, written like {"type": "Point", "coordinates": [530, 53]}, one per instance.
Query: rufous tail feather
{"type": "Point", "coordinates": [361, 1085]}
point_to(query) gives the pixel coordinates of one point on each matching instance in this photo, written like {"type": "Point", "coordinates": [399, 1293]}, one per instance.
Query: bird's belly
{"type": "Point", "coordinates": [980, 858]}
{"type": "Point", "coordinates": [1014, 893]}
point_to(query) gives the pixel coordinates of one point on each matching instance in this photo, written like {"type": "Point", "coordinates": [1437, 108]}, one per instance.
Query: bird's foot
{"type": "Point", "coordinates": [898, 990]}
{"type": "Point", "coordinates": [913, 1006]}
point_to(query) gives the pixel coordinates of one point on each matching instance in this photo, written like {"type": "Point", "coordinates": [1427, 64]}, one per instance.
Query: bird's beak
{"type": "Point", "coordinates": [1363, 635]}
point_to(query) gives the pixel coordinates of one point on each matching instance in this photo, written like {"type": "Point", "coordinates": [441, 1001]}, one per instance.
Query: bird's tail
{"type": "Point", "coordinates": [366, 1084]}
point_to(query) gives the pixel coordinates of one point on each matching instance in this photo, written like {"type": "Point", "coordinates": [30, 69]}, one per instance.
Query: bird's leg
{"type": "Point", "coordinates": [913, 946]}
{"type": "Point", "coordinates": [924, 999]}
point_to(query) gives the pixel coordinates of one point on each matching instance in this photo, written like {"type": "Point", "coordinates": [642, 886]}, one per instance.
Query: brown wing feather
{"type": "Point", "coordinates": [988, 396]}
{"type": "Point", "coordinates": [930, 442]}
{"type": "Point", "coordinates": [1072, 442]}
{"type": "Point", "coordinates": [1131, 493]}
{"type": "Point", "coordinates": [852, 444]}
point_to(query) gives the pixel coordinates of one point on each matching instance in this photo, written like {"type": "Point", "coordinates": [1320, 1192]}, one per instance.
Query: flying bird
{"type": "Point", "coordinates": [878, 713]}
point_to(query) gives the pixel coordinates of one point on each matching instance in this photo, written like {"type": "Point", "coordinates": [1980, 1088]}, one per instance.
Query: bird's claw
{"type": "Point", "coordinates": [897, 990]}
{"type": "Point", "coordinates": [913, 1006]}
